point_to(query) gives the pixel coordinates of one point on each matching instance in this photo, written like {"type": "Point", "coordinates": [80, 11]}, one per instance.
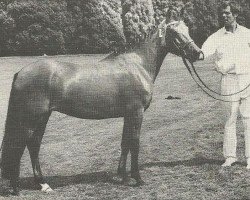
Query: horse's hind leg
{"type": "Point", "coordinates": [14, 179]}
{"type": "Point", "coordinates": [33, 144]}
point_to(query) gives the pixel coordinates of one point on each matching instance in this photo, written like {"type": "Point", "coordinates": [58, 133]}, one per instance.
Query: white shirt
{"type": "Point", "coordinates": [234, 47]}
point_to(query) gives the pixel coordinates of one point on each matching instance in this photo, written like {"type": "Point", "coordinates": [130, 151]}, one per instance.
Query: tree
{"type": "Point", "coordinates": [202, 18]}
{"type": "Point", "coordinates": [161, 8]}
{"type": "Point", "coordinates": [100, 29]}
{"type": "Point", "coordinates": [7, 26]}
{"type": "Point", "coordinates": [37, 28]}
{"type": "Point", "coordinates": [138, 20]}
{"type": "Point", "coordinates": [5, 3]}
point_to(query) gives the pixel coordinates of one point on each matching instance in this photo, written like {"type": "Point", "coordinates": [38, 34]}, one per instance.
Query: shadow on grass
{"type": "Point", "coordinates": [108, 177]}
{"type": "Point", "coordinates": [192, 162]}
{"type": "Point", "coordinates": [60, 181]}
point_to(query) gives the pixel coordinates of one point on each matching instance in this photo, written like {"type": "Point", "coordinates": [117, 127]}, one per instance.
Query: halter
{"type": "Point", "coordinates": [181, 46]}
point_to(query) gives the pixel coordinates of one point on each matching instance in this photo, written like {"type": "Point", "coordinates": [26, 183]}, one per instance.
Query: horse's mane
{"type": "Point", "coordinates": [175, 11]}
{"type": "Point", "coordinates": [150, 34]}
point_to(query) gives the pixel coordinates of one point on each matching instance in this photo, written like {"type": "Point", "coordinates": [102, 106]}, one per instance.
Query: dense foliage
{"type": "Point", "coordinates": [97, 26]}
{"type": "Point", "coordinates": [202, 18]}
{"type": "Point", "coordinates": [138, 20]}
{"type": "Point", "coordinates": [37, 27]}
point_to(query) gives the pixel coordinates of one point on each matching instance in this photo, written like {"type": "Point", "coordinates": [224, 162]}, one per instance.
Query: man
{"type": "Point", "coordinates": [229, 47]}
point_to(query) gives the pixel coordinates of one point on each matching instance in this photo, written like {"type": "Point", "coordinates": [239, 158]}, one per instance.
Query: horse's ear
{"type": "Point", "coordinates": [162, 24]}
{"type": "Point", "coordinates": [160, 33]}
{"type": "Point", "coordinates": [161, 28]}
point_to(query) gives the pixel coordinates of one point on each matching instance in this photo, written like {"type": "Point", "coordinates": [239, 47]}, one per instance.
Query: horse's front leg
{"type": "Point", "coordinates": [124, 151]}
{"type": "Point", "coordinates": [135, 124]}
{"type": "Point", "coordinates": [130, 142]}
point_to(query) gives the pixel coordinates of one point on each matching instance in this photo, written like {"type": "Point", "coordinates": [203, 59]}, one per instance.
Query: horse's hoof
{"type": "Point", "coordinates": [121, 172]}
{"type": "Point", "coordinates": [15, 193]}
{"type": "Point", "coordinates": [125, 181]}
{"type": "Point", "coordinates": [137, 177]}
{"type": "Point", "coordinates": [140, 182]}
{"type": "Point", "coordinates": [46, 188]}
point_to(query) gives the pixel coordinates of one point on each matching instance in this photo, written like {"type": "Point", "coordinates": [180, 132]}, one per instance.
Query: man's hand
{"type": "Point", "coordinates": [224, 71]}
{"type": "Point", "coordinates": [217, 56]}
{"type": "Point", "coordinates": [211, 59]}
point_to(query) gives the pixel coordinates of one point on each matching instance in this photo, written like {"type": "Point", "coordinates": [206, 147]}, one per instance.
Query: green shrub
{"type": "Point", "coordinates": [100, 29]}
{"type": "Point", "coordinates": [138, 20]}
{"type": "Point", "coordinates": [35, 27]}
{"type": "Point", "coordinates": [7, 26]}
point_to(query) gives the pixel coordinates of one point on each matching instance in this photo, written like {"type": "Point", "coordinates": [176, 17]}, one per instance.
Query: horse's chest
{"type": "Point", "coordinates": [145, 89]}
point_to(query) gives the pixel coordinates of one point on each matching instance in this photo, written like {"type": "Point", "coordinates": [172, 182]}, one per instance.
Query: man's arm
{"type": "Point", "coordinates": [209, 47]}
{"type": "Point", "coordinates": [211, 59]}
{"type": "Point", "coordinates": [243, 59]}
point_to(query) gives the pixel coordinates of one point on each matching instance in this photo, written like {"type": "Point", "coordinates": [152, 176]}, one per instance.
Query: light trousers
{"type": "Point", "coordinates": [231, 84]}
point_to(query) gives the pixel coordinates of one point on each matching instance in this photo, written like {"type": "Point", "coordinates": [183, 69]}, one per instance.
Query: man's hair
{"type": "Point", "coordinates": [234, 6]}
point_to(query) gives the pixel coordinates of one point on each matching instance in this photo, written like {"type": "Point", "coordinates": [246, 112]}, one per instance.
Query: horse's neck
{"type": "Point", "coordinates": [153, 55]}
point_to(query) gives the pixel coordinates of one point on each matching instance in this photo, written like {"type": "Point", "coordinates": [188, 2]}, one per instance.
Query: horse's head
{"type": "Point", "coordinates": [178, 41]}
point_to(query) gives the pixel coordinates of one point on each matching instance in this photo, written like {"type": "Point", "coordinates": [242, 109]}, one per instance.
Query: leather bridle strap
{"type": "Point", "coordinates": [183, 47]}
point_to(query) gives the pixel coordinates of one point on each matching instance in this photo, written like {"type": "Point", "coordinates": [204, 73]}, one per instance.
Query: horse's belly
{"type": "Point", "coordinates": [92, 107]}
{"type": "Point", "coordinates": [92, 112]}
{"type": "Point", "coordinates": [93, 115]}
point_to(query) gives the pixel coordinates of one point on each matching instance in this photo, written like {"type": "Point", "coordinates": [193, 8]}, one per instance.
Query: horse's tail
{"type": "Point", "coordinates": [13, 143]}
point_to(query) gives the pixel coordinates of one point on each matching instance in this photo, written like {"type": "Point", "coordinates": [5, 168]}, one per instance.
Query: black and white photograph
{"type": "Point", "coordinates": [125, 99]}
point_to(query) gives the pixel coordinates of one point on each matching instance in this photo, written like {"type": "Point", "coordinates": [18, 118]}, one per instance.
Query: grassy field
{"type": "Point", "coordinates": [181, 145]}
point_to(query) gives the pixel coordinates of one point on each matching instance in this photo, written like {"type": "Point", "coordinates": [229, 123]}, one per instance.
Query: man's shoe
{"type": "Point", "coordinates": [229, 161]}
{"type": "Point", "coordinates": [248, 163]}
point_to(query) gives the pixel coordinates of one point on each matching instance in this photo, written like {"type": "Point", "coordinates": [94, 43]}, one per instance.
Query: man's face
{"type": "Point", "coordinates": [228, 17]}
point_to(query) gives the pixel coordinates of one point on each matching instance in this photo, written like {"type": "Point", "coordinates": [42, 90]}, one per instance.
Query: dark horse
{"type": "Point", "coordinates": [117, 86]}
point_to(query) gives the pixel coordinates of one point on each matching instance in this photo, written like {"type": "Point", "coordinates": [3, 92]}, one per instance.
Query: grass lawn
{"type": "Point", "coordinates": [181, 145]}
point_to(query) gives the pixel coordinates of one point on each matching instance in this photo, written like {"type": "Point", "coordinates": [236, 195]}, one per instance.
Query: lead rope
{"type": "Point", "coordinates": [206, 89]}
